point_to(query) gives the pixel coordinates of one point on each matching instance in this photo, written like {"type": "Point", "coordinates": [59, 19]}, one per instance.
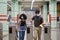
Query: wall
{"type": "Point", "coordinates": [58, 9]}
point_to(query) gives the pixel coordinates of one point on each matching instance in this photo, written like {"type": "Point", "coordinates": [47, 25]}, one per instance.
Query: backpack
{"type": "Point", "coordinates": [37, 21]}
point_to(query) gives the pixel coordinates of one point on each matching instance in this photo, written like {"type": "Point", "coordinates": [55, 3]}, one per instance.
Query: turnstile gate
{"type": "Point", "coordinates": [12, 32]}
{"type": "Point", "coordinates": [30, 32]}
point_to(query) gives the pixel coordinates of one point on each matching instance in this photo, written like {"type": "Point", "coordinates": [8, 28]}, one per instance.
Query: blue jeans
{"type": "Point", "coordinates": [22, 33]}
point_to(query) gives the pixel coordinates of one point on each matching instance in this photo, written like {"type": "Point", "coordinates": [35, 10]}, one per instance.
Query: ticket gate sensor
{"type": "Point", "coordinates": [10, 30]}
{"type": "Point", "coordinates": [45, 30]}
{"type": "Point", "coordinates": [28, 30]}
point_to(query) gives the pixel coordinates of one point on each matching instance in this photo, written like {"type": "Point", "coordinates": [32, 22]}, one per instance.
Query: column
{"type": "Point", "coordinates": [45, 12]}
{"type": "Point", "coordinates": [44, 19]}
{"type": "Point", "coordinates": [47, 35]}
{"type": "Point", "coordinates": [3, 19]}
{"type": "Point", "coordinates": [15, 10]}
{"type": "Point", "coordinates": [19, 11]}
{"type": "Point", "coordinates": [13, 25]}
{"type": "Point", "coordinates": [53, 12]}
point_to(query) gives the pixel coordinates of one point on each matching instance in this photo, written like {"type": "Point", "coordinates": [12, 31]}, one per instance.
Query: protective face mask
{"type": "Point", "coordinates": [22, 17]}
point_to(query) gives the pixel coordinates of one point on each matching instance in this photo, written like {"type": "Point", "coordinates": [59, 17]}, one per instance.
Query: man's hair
{"type": "Point", "coordinates": [37, 11]}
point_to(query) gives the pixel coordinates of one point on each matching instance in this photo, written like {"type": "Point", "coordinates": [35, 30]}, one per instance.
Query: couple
{"type": "Point", "coordinates": [37, 22]}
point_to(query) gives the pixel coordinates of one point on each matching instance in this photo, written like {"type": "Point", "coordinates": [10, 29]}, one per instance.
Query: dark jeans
{"type": "Point", "coordinates": [22, 32]}
{"type": "Point", "coordinates": [21, 35]}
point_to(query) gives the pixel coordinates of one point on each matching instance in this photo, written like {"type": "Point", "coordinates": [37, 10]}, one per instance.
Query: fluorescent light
{"type": "Point", "coordinates": [32, 4]}
{"type": "Point", "coordinates": [8, 4]}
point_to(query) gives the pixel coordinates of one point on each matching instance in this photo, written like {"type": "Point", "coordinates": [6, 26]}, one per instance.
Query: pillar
{"type": "Point", "coordinates": [15, 10]}
{"type": "Point", "coordinates": [53, 13]}
{"type": "Point", "coordinates": [13, 25]}
{"type": "Point", "coordinates": [45, 12]}
{"type": "Point", "coordinates": [3, 19]}
{"type": "Point", "coordinates": [47, 35]}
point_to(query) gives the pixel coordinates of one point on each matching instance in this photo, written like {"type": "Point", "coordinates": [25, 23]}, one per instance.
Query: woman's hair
{"type": "Point", "coordinates": [24, 16]}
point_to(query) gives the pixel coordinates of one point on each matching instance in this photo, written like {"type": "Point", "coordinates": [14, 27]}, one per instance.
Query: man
{"type": "Point", "coordinates": [37, 22]}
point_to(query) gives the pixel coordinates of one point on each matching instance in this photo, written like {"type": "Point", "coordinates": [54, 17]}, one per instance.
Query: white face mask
{"type": "Point", "coordinates": [22, 17]}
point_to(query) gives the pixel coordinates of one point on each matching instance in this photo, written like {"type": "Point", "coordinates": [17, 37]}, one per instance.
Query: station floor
{"type": "Point", "coordinates": [55, 35]}
{"type": "Point", "coordinates": [6, 36]}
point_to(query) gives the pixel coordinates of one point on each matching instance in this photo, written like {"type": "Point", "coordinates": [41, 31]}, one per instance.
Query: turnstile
{"type": "Point", "coordinates": [12, 32]}
{"type": "Point", "coordinates": [47, 31]}
{"type": "Point", "coordinates": [30, 32]}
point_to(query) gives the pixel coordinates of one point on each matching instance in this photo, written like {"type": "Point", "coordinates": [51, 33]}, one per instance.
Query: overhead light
{"type": "Point", "coordinates": [8, 4]}
{"type": "Point", "coordinates": [32, 4]}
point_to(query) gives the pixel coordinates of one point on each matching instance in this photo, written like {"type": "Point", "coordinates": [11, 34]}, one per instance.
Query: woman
{"type": "Point", "coordinates": [22, 25]}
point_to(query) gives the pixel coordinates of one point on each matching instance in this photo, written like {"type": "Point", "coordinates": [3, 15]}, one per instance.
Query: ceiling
{"type": "Point", "coordinates": [26, 4]}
